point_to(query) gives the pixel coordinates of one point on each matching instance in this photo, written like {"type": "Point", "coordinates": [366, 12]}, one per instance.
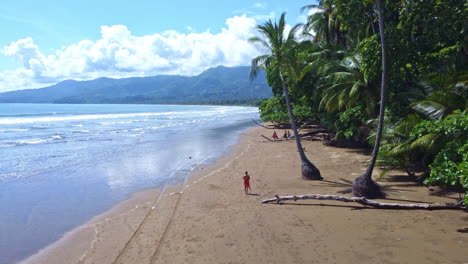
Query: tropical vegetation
{"type": "Point", "coordinates": [330, 69]}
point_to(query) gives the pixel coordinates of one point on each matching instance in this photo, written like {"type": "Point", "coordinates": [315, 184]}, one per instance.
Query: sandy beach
{"type": "Point", "coordinates": [209, 218]}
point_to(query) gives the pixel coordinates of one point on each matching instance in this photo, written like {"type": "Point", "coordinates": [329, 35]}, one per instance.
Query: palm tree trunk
{"type": "Point", "coordinates": [364, 186]}
{"type": "Point", "coordinates": [309, 171]}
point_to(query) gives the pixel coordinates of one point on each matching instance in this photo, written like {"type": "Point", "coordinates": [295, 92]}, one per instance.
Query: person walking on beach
{"type": "Point", "coordinates": [246, 182]}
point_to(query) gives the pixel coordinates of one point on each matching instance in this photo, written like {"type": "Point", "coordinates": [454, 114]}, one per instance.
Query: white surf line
{"type": "Point", "coordinates": [56, 167]}
{"type": "Point", "coordinates": [96, 225]}
{"type": "Point", "coordinates": [155, 255]}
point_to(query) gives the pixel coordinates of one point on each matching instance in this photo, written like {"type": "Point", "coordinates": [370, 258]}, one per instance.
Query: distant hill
{"type": "Point", "coordinates": [219, 85]}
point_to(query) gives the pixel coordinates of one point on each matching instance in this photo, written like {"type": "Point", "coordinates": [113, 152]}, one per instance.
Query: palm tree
{"type": "Point", "coordinates": [281, 53]}
{"type": "Point", "coordinates": [325, 24]}
{"type": "Point", "coordinates": [364, 186]}
{"type": "Point", "coordinates": [435, 98]}
{"type": "Point", "coordinates": [445, 93]}
{"type": "Point", "coordinates": [345, 85]}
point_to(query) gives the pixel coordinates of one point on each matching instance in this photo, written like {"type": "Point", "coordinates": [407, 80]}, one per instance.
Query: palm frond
{"type": "Point", "coordinates": [258, 64]}
{"type": "Point", "coordinates": [340, 77]}
{"type": "Point", "coordinates": [399, 150]}
{"type": "Point", "coordinates": [426, 143]}
{"type": "Point", "coordinates": [354, 91]}
{"type": "Point", "coordinates": [308, 7]}
{"type": "Point", "coordinates": [406, 124]}
{"type": "Point", "coordinates": [261, 41]}
{"type": "Point", "coordinates": [430, 109]}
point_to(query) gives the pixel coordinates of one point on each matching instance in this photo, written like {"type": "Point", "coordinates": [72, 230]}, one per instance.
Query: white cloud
{"type": "Point", "coordinates": [260, 5]}
{"type": "Point", "coordinates": [263, 17]}
{"type": "Point", "coordinates": [303, 18]}
{"type": "Point", "coordinates": [119, 53]}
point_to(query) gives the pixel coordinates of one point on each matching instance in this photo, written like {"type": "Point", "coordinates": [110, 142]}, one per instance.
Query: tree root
{"type": "Point", "coordinates": [364, 201]}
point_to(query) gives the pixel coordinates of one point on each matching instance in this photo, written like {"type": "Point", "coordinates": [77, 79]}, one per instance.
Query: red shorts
{"type": "Point", "coordinates": [247, 184]}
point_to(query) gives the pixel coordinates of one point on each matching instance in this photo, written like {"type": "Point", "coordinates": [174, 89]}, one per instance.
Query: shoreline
{"type": "Point", "coordinates": [83, 237]}
{"type": "Point", "coordinates": [209, 219]}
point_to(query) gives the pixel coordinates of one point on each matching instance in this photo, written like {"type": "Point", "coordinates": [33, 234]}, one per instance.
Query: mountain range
{"type": "Point", "coordinates": [219, 85]}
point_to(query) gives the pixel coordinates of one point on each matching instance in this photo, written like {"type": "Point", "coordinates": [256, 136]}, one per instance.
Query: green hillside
{"type": "Point", "coordinates": [220, 85]}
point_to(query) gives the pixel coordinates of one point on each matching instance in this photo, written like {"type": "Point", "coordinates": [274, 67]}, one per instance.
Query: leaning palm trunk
{"type": "Point", "coordinates": [364, 186]}
{"type": "Point", "coordinates": [309, 171]}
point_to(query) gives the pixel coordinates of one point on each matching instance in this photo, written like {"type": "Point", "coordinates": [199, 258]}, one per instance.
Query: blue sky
{"type": "Point", "coordinates": [44, 42]}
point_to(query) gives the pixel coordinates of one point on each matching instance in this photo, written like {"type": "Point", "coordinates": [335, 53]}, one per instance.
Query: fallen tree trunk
{"type": "Point", "coordinates": [364, 201]}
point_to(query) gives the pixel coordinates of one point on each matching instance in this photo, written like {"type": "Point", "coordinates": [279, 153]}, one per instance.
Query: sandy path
{"type": "Point", "coordinates": [213, 221]}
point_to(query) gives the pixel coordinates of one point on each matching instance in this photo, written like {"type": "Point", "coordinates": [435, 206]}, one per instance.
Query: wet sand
{"type": "Point", "coordinates": [209, 219]}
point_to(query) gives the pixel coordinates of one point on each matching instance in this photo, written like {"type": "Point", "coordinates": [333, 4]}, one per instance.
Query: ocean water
{"type": "Point", "coordinates": [60, 165]}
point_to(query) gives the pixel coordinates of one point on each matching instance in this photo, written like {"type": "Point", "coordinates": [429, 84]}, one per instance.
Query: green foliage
{"type": "Point", "coordinates": [345, 86]}
{"type": "Point", "coordinates": [369, 50]}
{"type": "Point", "coordinates": [350, 124]}
{"type": "Point", "coordinates": [336, 72]}
{"type": "Point", "coordinates": [456, 126]}
{"type": "Point", "coordinates": [273, 79]}
{"type": "Point", "coordinates": [274, 110]}
{"type": "Point", "coordinates": [450, 166]}
{"type": "Point", "coordinates": [448, 140]}
{"type": "Point", "coordinates": [301, 111]}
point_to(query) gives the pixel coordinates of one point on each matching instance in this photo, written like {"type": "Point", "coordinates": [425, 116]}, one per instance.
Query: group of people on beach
{"type": "Point", "coordinates": [285, 135]}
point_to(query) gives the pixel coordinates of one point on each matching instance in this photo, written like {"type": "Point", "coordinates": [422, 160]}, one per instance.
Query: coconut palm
{"type": "Point", "coordinates": [280, 46]}
{"type": "Point", "coordinates": [325, 24]}
{"type": "Point", "coordinates": [345, 86]}
{"type": "Point", "coordinates": [364, 186]}
{"type": "Point", "coordinates": [433, 99]}
{"type": "Point", "coordinates": [445, 94]}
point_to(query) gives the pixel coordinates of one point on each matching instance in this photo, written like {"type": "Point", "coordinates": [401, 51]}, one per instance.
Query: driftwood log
{"type": "Point", "coordinates": [364, 201]}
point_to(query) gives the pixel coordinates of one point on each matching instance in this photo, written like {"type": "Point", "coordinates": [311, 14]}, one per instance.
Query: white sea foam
{"type": "Point", "coordinates": [152, 115]}
{"type": "Point", "coordinates": [37, 140]}
{"type": "Point", "coordinates": [113, 123]}
{"type": "Point", "coordinates": [9, 121]}
{"type": "Point", "coordinates": [136, 135]}
{"type": "Point", "coordinates": [14, 130]}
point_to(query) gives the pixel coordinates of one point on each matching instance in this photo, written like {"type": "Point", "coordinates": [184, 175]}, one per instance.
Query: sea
{"type": "Point", "coordinates": [62, 164]}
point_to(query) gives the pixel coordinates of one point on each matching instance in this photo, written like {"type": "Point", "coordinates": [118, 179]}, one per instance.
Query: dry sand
{"type": "Point", "coordinates": [209, 219]}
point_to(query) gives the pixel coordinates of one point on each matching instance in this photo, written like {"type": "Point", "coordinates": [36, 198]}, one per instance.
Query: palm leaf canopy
{"type": "Point", "coordinates": [275, 38]}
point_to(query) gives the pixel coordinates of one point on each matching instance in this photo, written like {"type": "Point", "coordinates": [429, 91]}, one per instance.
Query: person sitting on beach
{"type": "Point", "coordinates": [285, 134]}
{"type": "Point", "coordinates": [288, 135]}
{"type": "Point", "coordinates": [246, 182]}
{"type": "Point", "coordinates": [275, 136]}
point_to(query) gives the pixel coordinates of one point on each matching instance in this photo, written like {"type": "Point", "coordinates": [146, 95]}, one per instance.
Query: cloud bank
{"type": "Point", "coordinates": [119, 53]}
